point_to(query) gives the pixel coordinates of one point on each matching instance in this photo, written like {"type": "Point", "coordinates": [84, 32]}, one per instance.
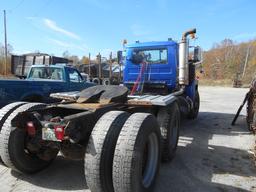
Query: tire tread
{"type": "Point", "coordinates": [102, 144]}
{"type": "Point", "coordinates": [6, 132]}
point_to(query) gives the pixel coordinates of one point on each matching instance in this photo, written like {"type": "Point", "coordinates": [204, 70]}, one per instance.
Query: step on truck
{"type": "Point", "coordinates": [121, 132]}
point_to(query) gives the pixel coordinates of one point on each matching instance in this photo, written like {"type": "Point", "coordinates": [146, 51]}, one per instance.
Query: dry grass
{"type": "Point", "coordinates": [222, 83]}
{"type": "Point", "coordinates": [10, 76]}
{"type": "Point", "coordinates": [3, 66]}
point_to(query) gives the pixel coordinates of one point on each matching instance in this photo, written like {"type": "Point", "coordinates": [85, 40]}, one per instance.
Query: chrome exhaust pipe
{"type": "Point", "coordinates": [183, 57]}
{"type": "Point", "coordinates": [188, 32]}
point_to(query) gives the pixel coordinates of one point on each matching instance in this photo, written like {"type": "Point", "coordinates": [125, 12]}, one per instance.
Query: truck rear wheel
{"type": "Point", "coordinates": [100, 150]}
{"type": "Point", "coordinates": [196, 105]}
{"type": "Point", "coordinates": [7, 110]}
{"type": "Point", "coordinates": [137, 154]}
{"type": "Point", "coordinates": [13, 149]}
{"type": "Point", "coordinates": [169, 121]}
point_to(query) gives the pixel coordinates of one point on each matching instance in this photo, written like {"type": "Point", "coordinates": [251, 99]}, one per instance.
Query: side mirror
{"type": "Point", "coordinates": [119, 56]}
{"type": "Point", "coordinates": [198, 54]}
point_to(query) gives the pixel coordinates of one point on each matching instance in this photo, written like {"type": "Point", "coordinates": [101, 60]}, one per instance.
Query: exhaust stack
{"type": "Point", "coordinates": [183, 57]}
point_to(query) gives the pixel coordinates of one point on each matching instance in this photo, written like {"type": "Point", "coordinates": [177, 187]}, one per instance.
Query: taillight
{"type": "Point", "coordinates": [59, 132]}
{"type": "Point", "coordinates": [31, 130]}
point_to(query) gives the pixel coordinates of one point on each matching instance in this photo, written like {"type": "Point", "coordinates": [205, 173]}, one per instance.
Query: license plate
{"type": "Point", "coordinates": [49, 134]}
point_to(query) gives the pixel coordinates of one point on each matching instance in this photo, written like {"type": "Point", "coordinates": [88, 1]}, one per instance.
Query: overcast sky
{"type": "Point", "coordinates": [83, 26]}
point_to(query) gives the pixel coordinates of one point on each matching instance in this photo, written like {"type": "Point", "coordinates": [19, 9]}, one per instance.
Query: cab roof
{"type": "Point", "coordinates": [152, 44]}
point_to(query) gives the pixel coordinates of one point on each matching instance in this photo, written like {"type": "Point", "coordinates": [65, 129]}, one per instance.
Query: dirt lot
{"type": "Point", "coordinates": [212, 155]}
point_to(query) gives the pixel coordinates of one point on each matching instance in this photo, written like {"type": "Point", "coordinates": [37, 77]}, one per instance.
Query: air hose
{"type": "Point", "coordinates": [135, 86]}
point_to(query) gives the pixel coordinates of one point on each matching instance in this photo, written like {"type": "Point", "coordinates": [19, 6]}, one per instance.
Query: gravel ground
{"type": "Point", "coordinates": [212, 155]}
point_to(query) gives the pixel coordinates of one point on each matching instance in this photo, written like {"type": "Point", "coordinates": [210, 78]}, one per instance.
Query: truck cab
{"type": "Point", "coordinates": [159, 71]}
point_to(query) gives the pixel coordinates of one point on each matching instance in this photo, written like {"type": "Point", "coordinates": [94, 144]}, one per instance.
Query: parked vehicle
{"type": "Point", "coordinates": [121, 132]}
{"type": "Point", "coordinates": [41, 81]}
{"type": "Point", "coordinates": [21, 64]}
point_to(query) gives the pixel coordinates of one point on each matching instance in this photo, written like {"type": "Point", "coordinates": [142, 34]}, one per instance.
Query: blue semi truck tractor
{"type": "Point", "coordinates": [121, 132]}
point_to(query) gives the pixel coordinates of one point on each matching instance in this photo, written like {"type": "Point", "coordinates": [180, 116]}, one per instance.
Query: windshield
{"type": "Point", "coordinates": [151, 56]}
{"type": "Point", "coordinates": [46, 73]}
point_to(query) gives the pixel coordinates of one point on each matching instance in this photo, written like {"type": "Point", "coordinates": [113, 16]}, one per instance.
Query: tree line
{"type": "Point", "coordinates": [229, 60]}
{"type": "Point", "coordinates": [2, 58]}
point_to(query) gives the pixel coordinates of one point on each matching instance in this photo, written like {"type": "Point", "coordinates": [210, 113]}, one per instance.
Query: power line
{"type": "Point", "coordinates": [17, 6]}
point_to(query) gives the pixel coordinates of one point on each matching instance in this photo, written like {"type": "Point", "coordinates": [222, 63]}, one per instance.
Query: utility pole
{"type": "Point", "coordinates": [110, 66]}
{"type": "Point", "coordinates": [246, 59]}
{"type": "Point", "coordinates": [5, 42]}
{"type": "Point", "coordinates": [100, 69]}
{"type": "Point", "coordinates": [89, 66]}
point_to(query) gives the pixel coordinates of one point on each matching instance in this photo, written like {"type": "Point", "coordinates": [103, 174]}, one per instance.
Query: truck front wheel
{"type": "Point", "coordinates": [196, 104]}
{"type": "Point", "coordinates": [13, 145]}
{"type": "Point", "coordinates": [137, 154]}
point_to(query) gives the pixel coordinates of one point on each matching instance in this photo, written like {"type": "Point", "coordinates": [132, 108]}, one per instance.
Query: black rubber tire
{"type": "Point", "coordinates": [96, 81]}
{"type": "Point", "coordinates": [106, 81]}
{"type": "Point", "coordinates": [130, 163]}
{"type": "Point", "coordinates": [194, 112]}
{"type": "Point", "coordinates": [12, 145]}
{"type": "Point", "coordinates": [7, 110]}
{"type": "Point", "coordinates": [169, 121]}
{"type": "Point", "coordinates": [100, 151]}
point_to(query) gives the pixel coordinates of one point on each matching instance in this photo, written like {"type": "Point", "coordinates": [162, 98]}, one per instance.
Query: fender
{"type": "Point", "coordinates": [191, 89]}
